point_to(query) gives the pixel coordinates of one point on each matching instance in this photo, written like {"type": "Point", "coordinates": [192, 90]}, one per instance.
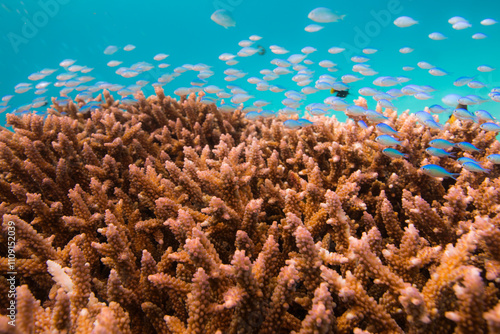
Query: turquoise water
{"type": "Point", "coordinates": [81, 30]}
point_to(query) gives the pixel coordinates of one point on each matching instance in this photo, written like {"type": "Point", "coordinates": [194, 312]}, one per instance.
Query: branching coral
{"type": "Point", "coordinates": [174, 217]}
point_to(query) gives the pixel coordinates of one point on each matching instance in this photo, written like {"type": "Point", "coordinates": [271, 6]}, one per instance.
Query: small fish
{"type": "Point", "coordinates": [474, 167]}
{"type": "Point", "coordinates": [160, 56]}
{"type": "Point", "coordinates": [47, 71]}
{"type": "Point", "coordinates": [393, 153]}
{"type": "Point", "coordinates": [436, 109]}
{"type": "Point", "coordinates": [75, 68]}
{"type": "Point", "coordinates": [488, 22]}
{"type": "Point", "coordinates": [305, 122]}
{"type": "Point", "coordinates": [67, 62]}
{"type": "Point", "coordinates": [374, 116]}
{"type": "Point", "coordinates": [326, 63]}
{"type": "Point", "coordinates": [224, 18]}
{"type": "Point", "coordinates": [65, 76]}
{"type": "Point", "coordinates": [404, 22]}
{"type": "Point", "coordinates": [437, 36]}
{"type": "Point", "coordinates": [39, 104]}
{"type": "Point", "coordinates": [406, 50]}
{"type": "Point", "coordinates": [476, 84]}
{"type": "Point", "coordinates": [422, 96]}
{"type": "Point", "coordinates": [292, 124]}
{"type": "Point", "coordinates": [479, 36]}
{"type": "Point", "coordinates": [308, 49]}
{"type": "Point", "coordinates": [424, 65]}
{"type": "Point", "coordinates": [110, 50]}
{"type": "Point", "coordinates": [441, 143]}
{"type": "Point", "coordinates": [386, 129]}
{"type": "Point", "coordinates": [490, 126]}
{"type": "Point", "coordinates": [7, 98]}
{"type": "Point", "coordinates": [348, 78]}
{"type": "Point", "coordinates": [437, 171]}
{"type": "Point", "coordinates": [129, 47]}
{"type": "Point", "coordinates": [423, 116]}
{"type": "Point", "coordinates": [465, 146]}
{"type": "Point", "coordinates": [129, 73]}
{"type": "Point", "coordinates": [464, 114]}
{"type": "Point", "coordinates": [494, 158]}
{"type": "Point", "coordinates": [359, 59]}
{"type": "Point", "coordinates": [462, 81]}
{"type": "Point", "coordinates": [456, 19]}
{"type": "Point", "coordinates": [355, 111]}
{"type": "Point", "coordinates": [485, 68]}
{"type": "Point", "coordinates": [362, 124]}
{"type": "Point", "coordinates": [335, 50]}
{"type": "Point", "coordinates": [369, 51]}
{"type": "Point", "coordinates": [90, 106]}
{"type": "Point", "coordinates": [278, 50]}
{"type": "Point", "coordinates": [324, 15]}
{"type": "Point", "coordinates": [385, 81]}
{"type": "Point", "coordinates": [240, 98]}
{"type": "Point", "coordinates": [387, 140]}
{"type": "Point", "coordinates": [463, 160]}
{"type": "Point", "coordinates": [22, 88]}
{"type": "Point", "coordinates": [439, 152]}
{"type": "Point", "coordinates": [113, 63]}
{"type": "Point", "coordinates": [483, 115]}
{"type": "Point", "coordinates": [313, 28]}
{"type": "Point", "coordinates": [451, 100]}
{"type": "Point", "coordinates": [431, 123]}
{"type": "Point", "coordinates": [255, 38]}
{"type": "Point", "coordinates": [128, 101]}
{"type": "Point", "coordinates": [36, 76]}
{"type": "Point", "coordinates": [436, 71]}
{"type": "Point", "coordinates": [460, 25]}
{"type": "Point", "coordinates": [384, 103]}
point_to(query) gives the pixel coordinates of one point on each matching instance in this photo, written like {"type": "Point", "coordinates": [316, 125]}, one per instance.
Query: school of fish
{"type": "Point", "coordinates": [74, 83]}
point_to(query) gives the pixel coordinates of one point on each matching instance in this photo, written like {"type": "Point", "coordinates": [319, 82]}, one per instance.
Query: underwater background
{"type": "Point", "coordinates": [81, 30]}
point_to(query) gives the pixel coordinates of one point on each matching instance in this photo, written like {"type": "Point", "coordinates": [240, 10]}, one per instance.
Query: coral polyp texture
{"type": "Point", "coordinates": [175, 217]}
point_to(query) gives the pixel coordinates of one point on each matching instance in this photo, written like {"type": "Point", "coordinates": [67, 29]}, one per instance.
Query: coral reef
{"type": "Point", "coordinates": [174, 217]}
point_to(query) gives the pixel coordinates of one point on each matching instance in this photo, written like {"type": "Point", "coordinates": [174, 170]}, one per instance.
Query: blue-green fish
{"type": "Point", "coordinates": [292, 124]}
{"type": "Point", "coordinates": [494, 158]}
{"type": "Point", "coordinates": [490, 126]}
{"type": "Point", "coordinates": [474, 167]}
{"type": "Point", "coordinates": [393, 153]}
{"type": "Point", "coordinates": [463, 160]}
{"type": "Point", "coordinates": [436, 109]}
{"type": "Point", "coordinates": [441, 143]}
{"type": "Point", "coordinates": [437, 171]}
{"type": "Point", "coordinates": [430, 123]}
{"type": "Point", "coordinates": [465, 146]}
{"type": "Point", "coordinates": [439, 152]}
{"type": "Point", "coordinates": [387, 140]}
{"type": "Point", "coordinates": [483, 115]}
{"type": "Point", "coordinates": [224, 18]}
{"type": "Point", "coordinates": [387, 129]}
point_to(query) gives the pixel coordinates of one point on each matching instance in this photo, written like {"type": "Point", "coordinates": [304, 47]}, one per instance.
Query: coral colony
{"type": "Point", "coordinates": [170, 216]}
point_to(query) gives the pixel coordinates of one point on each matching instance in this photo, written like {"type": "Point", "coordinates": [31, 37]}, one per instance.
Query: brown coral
{"type": "Point", "coordinates": [174, 217]}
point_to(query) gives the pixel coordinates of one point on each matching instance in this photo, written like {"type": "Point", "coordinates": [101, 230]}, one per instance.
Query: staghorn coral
{"type": "Point", "coordinates": [173, 217]}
